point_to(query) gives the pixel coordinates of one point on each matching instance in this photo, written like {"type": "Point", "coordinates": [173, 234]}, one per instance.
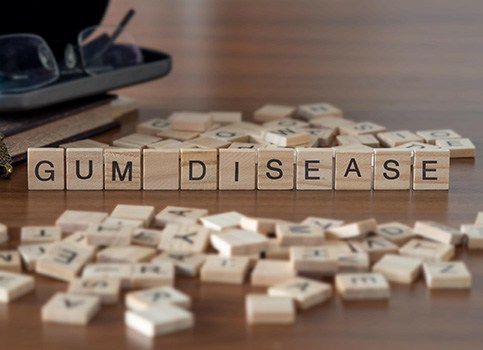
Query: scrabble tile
{"type": "Point", "coordinates": [270, 272]}
{"type": "Point", "coordinates": [305, 292]}
{"type": "Point", "coordinates": [227, 135]}
{"type": "Point", "coordinates": [375, 247]}
{"type": "Point", "coordinates": [161, 169]}
{"type": "Point", "coordinates": [286, 137]}
{"type": "Point", "coordinates": [392, 169]}
{"type": "Point", "coordinates": [353, 169]}
{"type": "Point", "coordinates": [276, 252]}
{"type": "Point", "coordinates": [14, 286]}
{"type": "Point", "coordinates": [222, 221]}
{"type": "Point", "coordinates": [180, 215]}
{"type": "Point", "coordinates": [106, 234]}
{"type": "Point", "coordinates": [151, 298]}
{"type": "Point", "coordinates": [276, 169]}
{"type": "Point", "coordinates": [10, 261]}
{"type": "Point", "coordinates": [265, 309]}
{"type": "Point", "coordinates": [64, 261]}
{"type": "Point", "coordinates": [353, 262]}
{"type": "Point", "coordinates": [474, 234]}
{"type": "Point", "coordinates": [84, 168]}
{"type": "Point", "coordinates": [314, 169]}
{"type": "Point", "coordinates": [106, 289]}
{"type": "Point", "coordinates": [330, 122]}
{"type": "Point", "coordinates": [437, 232]}
{"type": "Point", "coordinates": [191, 121]}
{"type": "Point", "coordinates": [109, 271]}
{"type": "Point", "coordinates": [238, 242]}
{"type": "Point", "coordinates": [323, 223]}
{"type": "Point", "coordinates": [39, 234]}
{"type": "Point", "coordinates": [358, 229]}
{"type": "Point", "coordinates": [153, 274]}
{"type": "Point", "coordinates": [238, 169]}
{"type": "Point", "coordinates": [86, 143]}
{"type": "Point", "coordinates": [185, 263]}
{"type": "Point", "coordinates": [351, 148]}
{"type": "Point", "coordinates": [447, 275]}
{"type": "Point", "coordinates": [297, 234]}
{"type": "Point", "coordinates": [129, 254]}
{"type": "Point", "coordinates": [458, 148]}
{"type": "Point", "coordinates": [78, 237]}
{"type": "Point", "coordinates": [395, 232]}
{"type": "Point", "coordinates": [261, 225]}
{"type": "Point", "coordinates": [71, 221]}
{"type": "Point", "coordinates": [45, 168]}
{"type": "Point", "coordinates": [231, 270]}
{"type": "Point", "coordinates": [3, 233]}
{"type": "Point", "coordinates": [397, 138]}
{"type": "Point", "coordinates": [430, 136]}
{"type": "Point", "coordinates": [135, 141]}
{"type": "Point", "coordinates": [362, 128]}
{"type": "Point", "coordinates": [191, 238]}
{"type": "Point", "coordinates": [126, 223]}
{"type": "Point", "coordinates": [29, 253]}
{"type": "Point", "coordinates": [479, 218]}
{"type": "Point", "coordinates": [244, 145]}
{"type": "Point", "coordinates": [134, 212]}
{"type": "Point", "coordinates": [71, 309]}
{"type": "Point", "coordinates": [209, 142]}
{"type": "Point", "coordinates": [272, 112]}
{"type": "Point", "coordinates": [285, 123]}
{"type": "Point", "coordinates": [122, 169]}
{"type": "Point", "coordinates": [427, 250]}
{"type": "Point", "coordinates": [362, 286]}
{"type": "Point", "coordinates": [431, 169]}
{"type": "Point", "coordinates": [199, 169]}
{"type": "Point", "coordinates": [167, 145]}
{"type": "Point", "coordinates": [226, 117]}
{"type": "Point", "coordinates": [417, 145]}
{"type": "Point", "coordinates": [338, 247]}
{"type": "Point", "coordinates": [153, 126]}
{"type": "Point", "coordinates": [367, 140]}
{"type": "Point", "coordinates": [178, 135]}
{"type": "Point", "coordinates": [313, 260]}
{"type": "Point", "coordinates": [146, 237]}
{"type": "Point", "coordinates": [399, 269]}
{"type": "Point", "coordinates": [162, 320]}
{"type": "Point", "coordinates": [317, 110]}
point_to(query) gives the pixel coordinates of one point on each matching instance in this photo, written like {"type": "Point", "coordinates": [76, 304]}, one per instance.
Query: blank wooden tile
{"type": "Point", "coordinates": [392, 169]}
{"type": "Point", "coordinates": [438, 232]}
{"type": "Point", "coordinates": [154, 297]}
{"type": "Point", "coordinates": [184, 238]}
{"type": "Point", "coordinates": [146, 237]}
{"type": "Point", "coordinates": [14, 286]}
{"type": "Point", "coordinates": [417, 145]}
{"type": "Point", "coordinates": [353, 169]}
{"type": "Point", "coordinates": [153, 274]}
{"type": "Point", "coordinates": [161, 169]}
{"type": "Point", "coordinates": [179, 135]}
{"type": "Point", "coordinates": [109, 271]}
{"type": "Point", "coordinates": [3, 233]}
{"type": "Point", "coordinates": [10, 261]}
{"type": "Point", "coordinates": [313, 260]}
{"type": "Point", "coordinates": [237, 169]}
{"type": "Point", "coordinates": [129, 254]}
{"type": "Point", "coordinates": [71, 221]}
{"type": "Point", "coordinates": [270, 272]}
{"type": "Point", "coordinates": [430, 136]}
{"type": "Point", "coordinates": [64, 261]}
{"type": "Point", "coordinates": [398, 268]}
{"type": "Point", "coordinates": [353, 262]}
{"type": "Point", "coordinates": [458, 148]}
{"type": "Point", "coordinates": [153, 126]}
{"type": "Point", "coordinates": [474, 234]}
{"type": "Point", "coordinates": [358, 229]}
{"type": "Point", "coordinates": [226, 117]}
{"type": "Point", "coordinates": [272, 112]}
{"type": "Point", "coordinates": [199, 169]}
{"type": "Point", "coordinates": [180, 215]}
{"type": "Point", "coordinates": [317, 110]}
{"type": "Point", "coordinates": [231, 270]}
{"type": "Point", "coordinates": [375, 247]}
{"type": "Point", "coordinates": [238, 242]}
{"type": "Point", "coordinates": [323, 223]}
{"type": "Point", "coordinates": [29, 253]}
{"type": "Point", "coordinates": [397, 138]}
{"type": "Point", "coordinates": [191, 121]}
{"type": "Point", "coordinates": [395, 232]}
{"type": "Point", "coordinates": [108, 235]}
{"type": "Point", "coordinates": [427, 250]}
{"type": "Point", "coordinates": [222, 221]}
{"type": "Point", "coordinates": [172, 145]}
{"type": "Point", "coordinates": [330, 122]}
{"type": "Point", "coordinates": [362, 128]}
{"type": "Point", "coordinates": [126, 223]}
{"type": "Point", "coordinates": [305, 292]}
{"type": "Point", "coordinates": [71, 309]}
{"type": "Point", "coordinates": [431, 169]}
{"type": "Point", "coordinates": [299, 234]}
{"type": "Point", "coordinates": [447, 275]}
{"type": "Point", "coordinates": [46, 168]}
{"type": "Point", "coordinates": [134, 212]}
{"type": "Point", "coordinates": [86, 143]}
{"type": "Point", "coordinates": [135, 141]}
{"type": "Point", "coordinates": [261, 225]}
{"type": "Point", "coordinates": [84, 168]}
{"type": "Point", "coordinates": [185, 263]}
{"type": "Point", "coordinates": [314, 169]}
{"type": "Point", "coordinates": [362, 286]}
{"type": "Point", "coordinates": [265, 309]}
{"type": "Point", "coordinates": [367, 140]}
{"type": "Point", "coordinates": [106, 289]}
{"type": "Point", "coordinates": [164, 319]}
{"type": "Point", "coordinates": [276, 169]}
{"type": "Point", "coordinates": [122, 169]}
{"type": "Point", "coordinates": [40, 234]}
{"type": "Point", "coordinates": [286, 137]}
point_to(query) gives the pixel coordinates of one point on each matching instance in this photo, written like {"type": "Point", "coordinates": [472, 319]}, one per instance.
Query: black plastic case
{"type": "Point", "coordinates": [59, 23]}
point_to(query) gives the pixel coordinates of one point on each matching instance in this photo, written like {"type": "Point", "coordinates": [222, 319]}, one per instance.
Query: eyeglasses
{"type": "Point", "coordinates": [27, 62]}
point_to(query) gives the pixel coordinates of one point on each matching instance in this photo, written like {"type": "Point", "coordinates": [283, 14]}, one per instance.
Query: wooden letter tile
{"type": "Point", "coordinates": [120, 272]}
{"type": "Point", "coordinates": [199, 169]}
{"type": "Point", "coordinates": [314, 169]}
{"type": "Point", "coordinates": [106, 289]}
{"type": "Point", "coordinates": [71, 309]}
{"type": "Point", "coordinates": [122, 169]}
{"type": "Point", "coordinates": [265, 309]}
{"type": "Point", "coordinates": [135, 141]}
{"type": "Point", "coordinates": [431, 169]}
{"type": "Point", "coordinates": [399, 269]}
{"type": "Point", "coordinates": [153, 126]}
{"type": "Point", "coordinates": [306, 293]}
{"type": "Point", "coordinates": [392, 169]}
{"type": "Point", "coordinates": [353, 262]}
{"type": "Point", "coordinates": [10, 261]}
{"type": "Point", "coordinates": [447, 275]}
{"type": "Point", "coordinates": [375, 247]}
{"type": "Point", "coordinates": [85, 168]}
{"type": "Point", "coordinates": [479, 218]}
{"type": "Point", "coordinates": [29, 254]}
{"type": "Point", "coordinates": [86, 143]}
{"type": "Point", "coordinates": [45, 168]}
{"type": "Point", "coordinates": [395, 232]}
{"type": "Point", "coordinates": [474, 234]}
{"type": "Point", "coordinates": [222, 221]}
{"type": "Point", "coordinates": [323, 223]}
{"type": "Point", "coordinates": [362, 128]}
{"type": "Point", "coordinates": [299, 234]}
{"type": "Point", "coordinates": [397, 138]}
{"type": "Point", "coordinates": [313, 260]}
{"type": "Point", "coordinates": [39, 234]}
{"type": "Point", "coordinates": [129, 254]}
{"type": "Point", "coordinates": [109, 235]}
{"type": "Point", "coordinates": [430, 136]}
{"type": "Point", "coordinates": [161, 169]}
{"type": "Point", "coordinates": [191, 238]}
{"type": "Point", "coordinates": [154, 274]}
{"type": "Point", "coordinates": [185, 263]}
{"type": "Point", "coordinates": [353, 169]}
{"type": "Point", "coordinates": [179, 215]}
{"type": "Point", "coordinates": [276, 169]}
{"type": "Point", "coordinates": [287, 137]}
{"type": "Point", "coordinates": [191, 121]}
{"type": "Point", "coordinates": [146, 237]}
{"type": "Point", "coordinates": [367, 140]}
{"type": "Point", "coordinates": [270, 272]}
{"type": "Point", "coordinates": [358, 229]}
{"type": "Point", "coordinates": [458, 148]}
{"type": "Point", "coordinates": [237, 169]}
{"type": "Point", "coordinates": [226, 117]}
{"type": "Point", "coordinates": [362, 286]}
{"type": "Point", "coordinates": [154, 297]}
{"type": "Point", "coordinates": [77, 220]}
{"type": "Point", "coordinates": [438, 232]}
{"type": "Point", "coordinates": [317, 110]}
{"type": "Point", "coordinates": [14, 286]}
{"type": "Point", "coordinates": [230, 270]}
{"type": "Point", "coordinates": [270, 112]}
{"type": "Point", "coordinates": [238, 242]}
{"type": "Point", "coordinates": [134, 212]}
{"type": "Point", "coordinates": [427, 250]}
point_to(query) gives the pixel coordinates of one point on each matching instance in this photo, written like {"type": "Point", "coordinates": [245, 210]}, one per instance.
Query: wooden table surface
{"type": "Point", "coordinates": [405, 64]}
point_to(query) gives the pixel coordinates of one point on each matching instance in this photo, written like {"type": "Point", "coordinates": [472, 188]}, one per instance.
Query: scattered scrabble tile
{"type": "Point", "coordinates": [317, 110]}
{"type": "Point", "coordinates": [84, 168]}
{"type": "Point", "coordinates": [146, 237]}
{"type": "Point", "coordinates": [135, 141]}
{"type": "Point", "coordinates": [306, 293]}
{"type": "Point", "coordinates": [238, 242]}
{"type": "Point", "coordinates": [208, 142]}
{"type": "Point", "coordinates": [427, 250]}
{"type": "Point", "coordinates": [313, 260]}
{"type": "Point", "coordinates": [430, 136]}
{"type": "Point", "coordinates": [3, 233]}
{"type": "Point", "coordinates": [222, 221]}
{"type": "Point", "coordinates": [261, 225]}
{"type": "Point", "coordinates": [199, 169]}
{"type": "Point", "coordinates": [106, 289]}
{"type": "Point", "coordinates": [392, 169]}
{"type": "Point", "coordinates": [362, 128]}
{"type": "Point", "coordinates": [269, 113]}
{"type": "Point", "coordinates": [417, 145]}
{"type": "Point", "coordinates": [265, 309]}
{"type": "Point", "coordinates": [71, 309]}
{"type": "Point", "coordinates": [134, 212]}
{"type": "Point", "coordinates": [395, 232]}
{"type": "Point", "coordinates": [10, 261]}
{"type": "Point", "coordinates": [184, 237]}
{"type": "Point", "coordinates": [122, 169]}
{"type": "Point", "coordinates": [129, 254]}
{"type": "Point", "coordinates": [458, 148]}
{"type": "Point", "coordinates": [237, 169]}
{"type": "Point", "coordinates": [153, 274]}
{"type": "Point", "coordinates": [438, 232]}
{"type": "Point", "coordinates": [14, 286]}
{"type": "Point", "coordinates": [226, 117]}
{"type": "Point", "coordinates": [167, 145]}
{"type": "Point", "coordinates": [219, 269]}
{"type": "Point", "coordinates": [276, 169]}
{"type": "Point", "coordinates": [127, 223]}
{"type": "Point", "coordinates": [110, 271]}
{"type": "Point", "coordinates": [358, 229]}
{"type": "Point", "coordinates": [164, 319]}
{"type": "Point", "coordinates": [180, 215]}
{"type": "Point", "coordinates": [46, 168]}
{"type": "Point", "coordinates": [185, 263]}
{"type": "Point", "coordinates": [276, 252]}
{"type": "Point", "coordinates": [191, 121]}
{"type": "Point", "coordinates": [39, 234]}
{"type": "Point", "coordinates": [375, 247]}
{"type": "Point", "coordinates": [330, 122]}
{"type": "Point", "coordinates": [153, 126]}
{"type": "Point", "coordinates": [323, 223]}
{"type": "Point", "coordinates": [86, 143]}
{"type": "Point", "coordinates": [353, 262]}
{"type": "Point", "coordinates": [447, 275]}
{"type": "Point", "coordinates": [299, 234]}
{"type": "Point", "coordinates": [151, 298]}
{"type": "Point", "coordinates": [353, 169]}
{"type": "Point", "coordinates": [367, 140]}
{"type": "Point", "coordinates": [285, 123]}
{"type": "Point", "coordinates": [474, 234]}
{"type": "Point", "coordinates": [286, 137]}
{"type": "Point", "coordinates": [77, 220]}
{"type": "Point", "coordinates": [314, 169]}
{"type": "Point", "coordinates": [270, 272]}
{"type": "Point", "coordinates": [178, 135]}
{"type": "Point", "coordinates": [78, 237]}
{"type": "Point", "coordinates": [107, 234]}
{"type": "Point", "coordinates": [29, 253]}
{"type": "Point", "coordinates": [362, 286]}
{"type": "Point", "coordinates": [397, 138]}
{"type": "Point", "coordinates": [398, 268]}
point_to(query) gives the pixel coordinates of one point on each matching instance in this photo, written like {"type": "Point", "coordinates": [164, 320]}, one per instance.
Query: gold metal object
{"type": "Point", "coordinates": [6, 168]}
